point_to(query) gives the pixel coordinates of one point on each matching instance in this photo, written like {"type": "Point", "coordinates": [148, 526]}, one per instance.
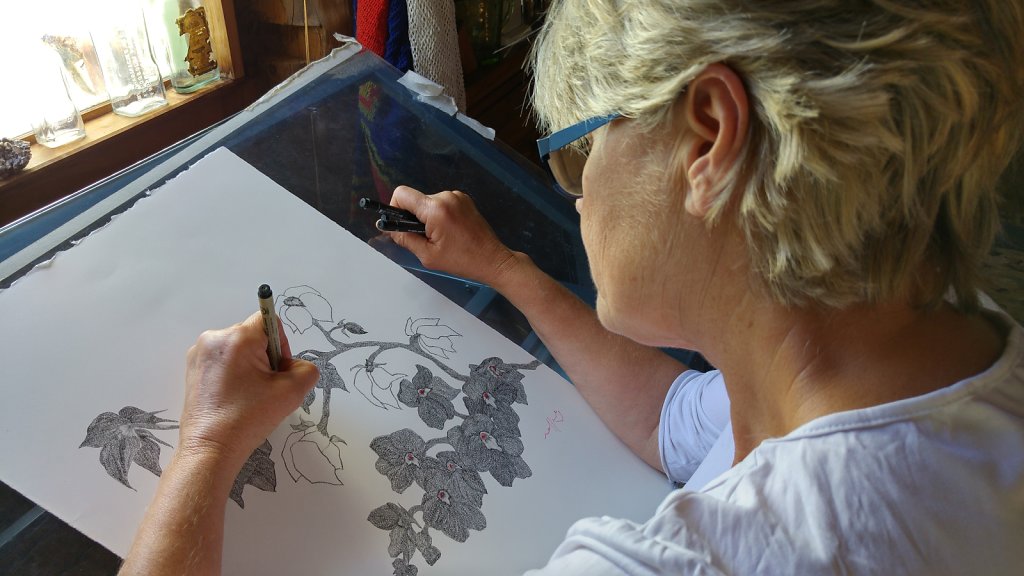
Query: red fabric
{"type": "Point", "coordinates": [372, 25]}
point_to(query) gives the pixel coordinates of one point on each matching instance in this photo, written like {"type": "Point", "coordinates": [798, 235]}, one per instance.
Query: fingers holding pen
{"type": "Point", "coordinates": [458, 239]}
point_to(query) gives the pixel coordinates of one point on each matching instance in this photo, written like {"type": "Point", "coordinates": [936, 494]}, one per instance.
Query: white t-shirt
{"type": "Point", "coordinates": [928, 485]}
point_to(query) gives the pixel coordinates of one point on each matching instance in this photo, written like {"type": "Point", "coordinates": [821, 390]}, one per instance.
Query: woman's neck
{"type": "Point", "coordinates": [785, 367]}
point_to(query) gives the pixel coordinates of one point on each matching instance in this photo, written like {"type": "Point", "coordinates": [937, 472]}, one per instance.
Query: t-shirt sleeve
{"type": "Point", "coordinates": [695, 412]}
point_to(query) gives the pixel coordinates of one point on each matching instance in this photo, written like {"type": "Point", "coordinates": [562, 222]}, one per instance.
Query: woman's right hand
{"type": "Point", "coordinates": [458, 240]}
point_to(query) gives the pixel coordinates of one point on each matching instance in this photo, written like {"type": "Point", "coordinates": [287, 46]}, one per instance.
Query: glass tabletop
{"type": "Point", "coordinates": [352, 131]}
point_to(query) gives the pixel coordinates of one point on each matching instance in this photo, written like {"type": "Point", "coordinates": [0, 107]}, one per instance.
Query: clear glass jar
{"type": "Point", "coordinates": [55, 118]}
{"type": "Point", "coordinates": [129, 67]}
{"type": "Point", "coordinates": [188, 59]}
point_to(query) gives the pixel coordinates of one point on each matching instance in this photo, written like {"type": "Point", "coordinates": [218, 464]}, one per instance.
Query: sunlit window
{"type": "Point", "coordinates": [53, 47]}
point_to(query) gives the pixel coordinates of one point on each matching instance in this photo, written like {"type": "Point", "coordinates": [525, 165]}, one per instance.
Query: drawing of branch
{"type": "Point", "coordinates": [448, 469]}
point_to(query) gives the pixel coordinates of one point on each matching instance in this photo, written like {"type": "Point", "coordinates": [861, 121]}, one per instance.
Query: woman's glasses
{"type": "Point", "coordinates": [565, 162]}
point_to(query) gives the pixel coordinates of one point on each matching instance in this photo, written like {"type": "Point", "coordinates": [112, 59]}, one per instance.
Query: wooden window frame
{"type": "Point", "coordinates": [115, 142]}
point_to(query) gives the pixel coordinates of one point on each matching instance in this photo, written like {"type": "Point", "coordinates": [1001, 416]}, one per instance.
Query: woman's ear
{"type": "Point", "coordinates": [716, 115]}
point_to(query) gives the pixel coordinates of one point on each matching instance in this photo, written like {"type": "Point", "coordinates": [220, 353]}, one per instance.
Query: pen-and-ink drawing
{"type": "Point", "coordinates": [485, 439]}
{"type": "Point", "coordinates": [127, 437]}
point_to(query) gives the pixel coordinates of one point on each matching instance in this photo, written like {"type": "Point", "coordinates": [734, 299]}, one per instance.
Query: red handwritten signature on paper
{"type": "Point", "coordinates": [554, 420]}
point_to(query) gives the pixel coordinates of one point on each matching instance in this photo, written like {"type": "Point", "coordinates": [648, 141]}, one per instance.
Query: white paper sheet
{"type": "Point", "coordinates": [108, 324]}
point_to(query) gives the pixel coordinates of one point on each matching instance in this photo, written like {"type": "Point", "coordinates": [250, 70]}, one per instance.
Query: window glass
{"type": "Point", "coordinates": [47, 38]}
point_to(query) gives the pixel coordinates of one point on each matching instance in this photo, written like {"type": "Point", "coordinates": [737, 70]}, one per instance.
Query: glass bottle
{"type": "Point", "coordinates": [55, 119]}
{"type": "Point", "coordinates": [189, 60]}
{"type": "Point", "coordinates": [129, 68]}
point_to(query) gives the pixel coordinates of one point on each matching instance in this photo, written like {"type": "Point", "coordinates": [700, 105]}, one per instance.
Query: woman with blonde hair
{"type": "Point", "coordinates": [801, 190]}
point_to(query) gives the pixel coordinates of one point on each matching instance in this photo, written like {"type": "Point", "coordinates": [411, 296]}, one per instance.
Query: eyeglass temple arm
{"type": "Point", "coordinates": [566, 136]}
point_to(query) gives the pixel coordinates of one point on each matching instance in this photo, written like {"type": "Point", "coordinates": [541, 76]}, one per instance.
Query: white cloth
{"type": "Point", "coordinates": [693, 417]}
{"type": "Point", "coordinates": [927, 485]}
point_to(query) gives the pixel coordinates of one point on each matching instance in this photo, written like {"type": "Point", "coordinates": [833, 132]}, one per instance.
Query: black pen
{"type": "Point", "coordinates": [395, 213]}
{"type": "Point", "coordinates": [266, 297]}
{"type": "Point", "coordinates": [389, 223]}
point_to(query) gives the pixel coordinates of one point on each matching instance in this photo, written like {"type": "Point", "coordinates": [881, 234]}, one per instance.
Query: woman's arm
{"type": "Point", "coordinates": [233, 401]}
{"type": "Point", "coordinates": [623, 381]}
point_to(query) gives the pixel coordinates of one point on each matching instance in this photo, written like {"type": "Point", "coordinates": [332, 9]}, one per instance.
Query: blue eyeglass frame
{"type": "Point", "coordinates": [549, 144]}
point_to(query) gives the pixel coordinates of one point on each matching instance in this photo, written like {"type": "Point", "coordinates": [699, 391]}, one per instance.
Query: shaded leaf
{"type": "Point", "coordinates": [102, 430]}
{"type": "Point", "coordinates": [353, 328]}
{"type": "Point", "coordinates": [307, 402]}
{"type": "Point", "coordinates": [401, 542]}
{"type": "Point", "coordinates": [403, 568]}
{"type": "Point", "coordinates": [142, 418]}
{"type": "Point", "coordinates": [148, 455]}
{"type": "Point", "coordinates": [143, 433]}
{"type": "Point", "coordinates": [431, 555]}
{"type": "Point", "coordinates": [257, 471]}
{"type": "Point", "coordinates": [117, 456]}
{"type": "Point", "coordinates": [390, 516]}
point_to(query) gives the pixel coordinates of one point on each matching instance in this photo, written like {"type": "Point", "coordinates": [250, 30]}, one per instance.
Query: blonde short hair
{"type": "Point", "coordinates": [878, 128]}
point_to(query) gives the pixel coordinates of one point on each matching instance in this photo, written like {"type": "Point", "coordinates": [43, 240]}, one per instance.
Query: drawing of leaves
{"type": "Point", "coordinates": [444, 510]}
{"type": "Point", "coordinates": [329, 375]}
{"type": "Point", "coordinates": [432, 336]}
{"type": "Point", "coordinates": [403, 568]}
{"type": "Point", "coordinates": [312, 456]}
{"type": "Point", "coordinates": [398, 522]}
{"type": "Point", "coordinates": [124, 438]}
{"type": "Point", "coordinates": [430, 395]}
{"type": "Point", "coordinates": [390, 516]}
{"type": "Point", "coordinates": [301, 306]}
{"type": "Point", "coordinates": [258, 471]}
{"type": "Point", "coordinates": [376, 384]}
{"type": "Point", "coordinates": [308, 400]}
{"type": "Point", "coordinates": [351, 328]}
{"type": "Point", "coordinates": [399, 455]}
{"type": "Point", "coordinates": [423, 544]}
{"type": "Point", "coordinates": [487, 448]}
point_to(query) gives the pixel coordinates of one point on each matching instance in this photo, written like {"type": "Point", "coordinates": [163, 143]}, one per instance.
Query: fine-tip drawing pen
{"type": "Point", "coordinates": [389, 223]}
{"type": "Point", "coordinates": [266, 296]}
{"type": "Point", "coordinates": [395, 213]}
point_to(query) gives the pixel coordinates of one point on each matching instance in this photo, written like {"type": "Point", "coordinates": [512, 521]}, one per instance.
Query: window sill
{"type": "Point", "coordinates": [114, 142]}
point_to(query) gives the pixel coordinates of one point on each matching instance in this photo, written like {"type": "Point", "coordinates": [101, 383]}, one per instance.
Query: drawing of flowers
{"type": "Point", "coordinates": [399, 456]}
{"type": "Point", "coordinates": [376, 384]}
{"type": "Point", "coordinates": [301, 306]}
{"type": "Point", "coordinates": [125, 438]}
{"type": "Point", "coordinates": [430, 395]}
{"type": "Point", "coordinates": [312, 456]}
{"type": "Point", "coordinates": [432, 336]}
{"type": "Point", "coordinates": [494, 381]}
{"type": "Point", "coordinates": [484, 440]}
{"type": "Point", "coordinates": [488, 448]}
{"type": "Point", "coordinates": [461, 481]}
{"type": "Point", "coordinates": [446, 511]}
